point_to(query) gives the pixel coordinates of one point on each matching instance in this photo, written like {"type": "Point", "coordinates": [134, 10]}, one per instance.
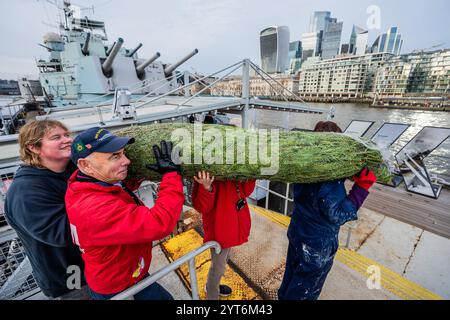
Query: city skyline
{"type": "Point", "coordinates": [224, 32]}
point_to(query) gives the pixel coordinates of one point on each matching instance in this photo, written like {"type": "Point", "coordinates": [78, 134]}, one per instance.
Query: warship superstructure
{"type": "Point", "coordinates": [82, 65]}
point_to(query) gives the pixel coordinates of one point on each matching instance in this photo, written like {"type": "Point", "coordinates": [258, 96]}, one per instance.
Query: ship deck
{"type": "Point", "coordinates": [255, 269]}
{"type": "Point", "coordinates": [426, 213]}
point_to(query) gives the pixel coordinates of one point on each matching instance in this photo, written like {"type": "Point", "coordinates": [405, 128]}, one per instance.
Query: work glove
{"type": "Point", "coordinates": [163, 156]}
{"type": "Point", "coordinates": [365, 179]}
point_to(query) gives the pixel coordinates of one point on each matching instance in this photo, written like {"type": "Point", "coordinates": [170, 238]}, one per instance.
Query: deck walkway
{"type": "Point", "coordinates": [426, 213]}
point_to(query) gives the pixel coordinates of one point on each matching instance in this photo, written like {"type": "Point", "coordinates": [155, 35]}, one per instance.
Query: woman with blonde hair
{"type": "Point", "coordinates": [35, 208]}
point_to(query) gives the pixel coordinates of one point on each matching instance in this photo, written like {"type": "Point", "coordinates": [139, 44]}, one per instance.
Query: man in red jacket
{"type": "Point", "coordinates": [112, 227]}
{"type": "Point", "coordinates": [226, 219]}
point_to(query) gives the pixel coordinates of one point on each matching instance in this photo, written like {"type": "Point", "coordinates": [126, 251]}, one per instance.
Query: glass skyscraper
{"type": "Point", "coordinates": [295, 56]}
{"type": "Point", "coordinates": [358, 40]}
{"type": "Point", "coordinates": [319, 20]}
{"type": "Point", "coordinates": [382, 45]}
{"type": "Point", "coordinates": [391, 38]}
{"type": "Point", "coordinates": [331, 41]}
{"type": "Point", "coordinates": [323, 38]}
{"type": "Point", "coordinates": [390, 42]}
{"type": "Point", "coordinates": [311, 44]}
{"type": "Point", "coordinates": [274, 46]}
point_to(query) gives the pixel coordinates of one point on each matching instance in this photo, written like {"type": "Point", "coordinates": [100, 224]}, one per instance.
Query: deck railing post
{"type": "Point", "coordinates": [193, 277]}
{"type": "Point", "coordinates": [245, 92]}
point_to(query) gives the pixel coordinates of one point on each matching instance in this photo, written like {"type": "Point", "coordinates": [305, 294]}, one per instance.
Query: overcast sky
{"type": "Point", "coordinates": [224, 31]}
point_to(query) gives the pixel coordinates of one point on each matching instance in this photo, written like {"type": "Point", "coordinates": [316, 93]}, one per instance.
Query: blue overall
{"type": "Point", "coordinates": [319, 211]}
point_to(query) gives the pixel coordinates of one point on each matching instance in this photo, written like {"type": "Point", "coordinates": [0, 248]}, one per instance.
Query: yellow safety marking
{"type": "Point", "coordinates": [281, 219]}
{"type": "Point", "coordinates": [390, 280]}
{"type": "Point", "coordinates": [190, 240]}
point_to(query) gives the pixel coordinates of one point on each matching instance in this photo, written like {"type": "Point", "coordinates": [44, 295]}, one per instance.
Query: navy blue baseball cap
{"type": "Point", "coordinates": [96, 140]}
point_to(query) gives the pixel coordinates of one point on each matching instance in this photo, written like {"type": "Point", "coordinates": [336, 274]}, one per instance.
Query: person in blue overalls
{"type": "Point", "coordinates": [319, 211]}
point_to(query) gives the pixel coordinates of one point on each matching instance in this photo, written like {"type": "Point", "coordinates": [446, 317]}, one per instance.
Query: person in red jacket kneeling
{"type": "Point", "coordinates": [109, 223]}
{"type": "Point", "coordinates": [226, 219]}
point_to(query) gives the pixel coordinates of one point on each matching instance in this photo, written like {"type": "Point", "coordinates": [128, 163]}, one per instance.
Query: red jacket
{"type": "Point", "coordinates": [115, 234]}
{"type": "Point", "coordinates": [221, 220]}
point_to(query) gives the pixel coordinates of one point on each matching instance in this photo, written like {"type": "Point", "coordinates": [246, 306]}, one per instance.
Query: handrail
{"type": "Point", "coordinates": [190, 258]}
{"type": "Point", "coordinates": [209, 86]}
{"type": "Point", "coordinates": [274, 89]}
{"type": "Point", "coordinates": [185, 86]}
{"type": "Point", "coordinates": [177, 76]}
{"type": "Point", "coordinates": [255, 66]}
{"type": "Point", "coordinates": [135, 89]}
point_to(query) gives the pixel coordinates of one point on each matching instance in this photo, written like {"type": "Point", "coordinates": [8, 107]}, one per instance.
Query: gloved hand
{"type": "Point", "coordinates": [163, 156]}
{"type": "Point", "coordinates": [365, 179]}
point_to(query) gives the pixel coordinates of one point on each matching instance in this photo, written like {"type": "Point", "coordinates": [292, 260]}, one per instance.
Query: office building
{"type": "Point", "coordinates": [274, 46]}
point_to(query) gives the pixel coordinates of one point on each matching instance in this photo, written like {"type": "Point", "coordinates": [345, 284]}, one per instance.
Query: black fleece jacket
{"type": "Point", "coordinates": [35, 208]}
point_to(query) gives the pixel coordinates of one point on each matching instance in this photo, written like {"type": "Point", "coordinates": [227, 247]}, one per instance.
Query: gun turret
{"type": "Point", "coordinates": [85, 48]}
{"type": "Point", "coordinates": [134, 50]}
{"type": "Point", "coordinates": [140, 68]}
{"type": "Point", "coordinates": [107, 65]}
{"type": "Point", "coordinates": [48, 48]}
{"type": "Point", "coordinates": [168, 70]}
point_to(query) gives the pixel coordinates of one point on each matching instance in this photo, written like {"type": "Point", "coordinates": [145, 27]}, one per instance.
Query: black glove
{"type": "Point", "coordinates": [163, 156]}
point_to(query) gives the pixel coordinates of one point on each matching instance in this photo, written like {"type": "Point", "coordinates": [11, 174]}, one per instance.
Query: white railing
{"type": "Point", "coordinates": [188, 258]}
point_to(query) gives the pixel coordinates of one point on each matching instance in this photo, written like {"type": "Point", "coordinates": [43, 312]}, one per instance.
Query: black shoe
{"type": "Point", "coordinates": [224, 290]}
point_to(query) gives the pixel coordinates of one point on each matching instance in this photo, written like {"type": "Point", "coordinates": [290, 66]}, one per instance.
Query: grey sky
{"type": "Point", "coordinates": [224, 31]}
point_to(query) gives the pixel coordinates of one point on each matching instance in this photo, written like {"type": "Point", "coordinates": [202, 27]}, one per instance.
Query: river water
{"type": "Point", "coordinates": [438, 162]}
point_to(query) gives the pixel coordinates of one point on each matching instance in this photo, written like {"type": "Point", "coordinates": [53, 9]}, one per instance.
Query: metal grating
{"type": "Point", "coordinates": [16, 279]}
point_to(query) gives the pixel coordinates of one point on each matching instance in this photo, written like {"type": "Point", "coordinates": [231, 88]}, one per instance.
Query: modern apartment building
{"type": "Point", "coordinates": [424, 73]}
{"type": "Point", "coordinates": [348, 76]}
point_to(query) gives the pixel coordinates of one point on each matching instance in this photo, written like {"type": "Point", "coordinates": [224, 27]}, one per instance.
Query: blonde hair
{"type": "Point", "coordinates": [32, 134]}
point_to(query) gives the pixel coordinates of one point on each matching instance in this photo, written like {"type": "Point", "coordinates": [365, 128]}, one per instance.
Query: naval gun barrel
{"type": "Point", "coordinates": [168, 70]}
{"type": "Point", "coordinates": [134, 50]}
{"type": "Point", "coordinates": [110, 48]}
{"type": "Point", "coordinates": [107, 65]}
{"type": "Point", "coordinates": [85, 48]}
{"type": "Point", "coordinates": [140, 68]}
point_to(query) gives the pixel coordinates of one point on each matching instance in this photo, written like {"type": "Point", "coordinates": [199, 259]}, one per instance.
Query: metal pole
{"type": "Point", "coordinates": [166, 270]}
{"type": "Point", "coordinates": [286, 200]}
{"type": "Point", "coordinates": [193, 278]}
{"type": "Point", "coordinates": [99, 111]}
{"type": "Point", "coordinates": [267, 194]}
{"type": "Point", "coordinates": [208, 86]}
{"type": "Point", "coordinates": [187, 91]}
{"type": "Point", "coordinates": [349, 233]}
{"type": "Point", "coordinates": [245, 91]}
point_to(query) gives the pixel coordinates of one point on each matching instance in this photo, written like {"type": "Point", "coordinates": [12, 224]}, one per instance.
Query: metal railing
{"type": "Point", "coordinates": [16, 279]}
{"type": "Point", "coordinates": [186, 85]}
{"type": "Point", "coordinates": [188, 258]}
{"type": "Point", "coordinates": [268, 192]}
